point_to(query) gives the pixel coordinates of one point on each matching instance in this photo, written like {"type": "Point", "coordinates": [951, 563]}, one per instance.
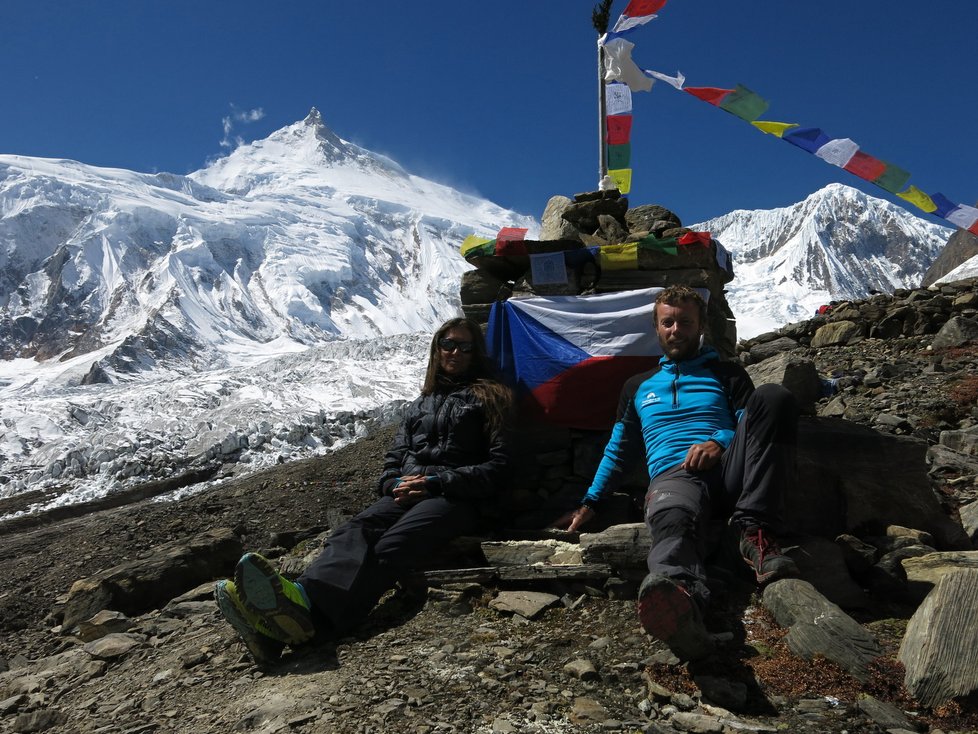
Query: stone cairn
{"type": "Point", "coordinates": [558, 463]}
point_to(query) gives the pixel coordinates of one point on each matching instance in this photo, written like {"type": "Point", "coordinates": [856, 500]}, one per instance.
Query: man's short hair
{"type": "Point", "coordinates": [675, 295]}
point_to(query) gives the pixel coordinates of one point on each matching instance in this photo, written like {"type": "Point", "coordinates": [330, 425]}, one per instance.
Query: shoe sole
{"type": "Point", "coordinates": [670, 615]}
{"type": "Point", "coordinates": [264, 650]}
{"type": "Point", "coordinates": [261, 593]}
{"type": "Point", "coordinates": [787, 572]}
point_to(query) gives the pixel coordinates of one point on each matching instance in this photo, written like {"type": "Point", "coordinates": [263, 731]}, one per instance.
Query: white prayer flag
{"type": "Point", "coordinates": [548, 269]}
{"type": "Point", "coordinates": [618, 99]}
{"type": "Point", "coordinates": [838, 152]}
{"type": "Point", "coordinates": [618, 65]}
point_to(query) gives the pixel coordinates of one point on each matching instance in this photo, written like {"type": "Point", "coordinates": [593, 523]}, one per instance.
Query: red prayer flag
{"type": "Point", "coordinates": [973, 228]}
{"type": "Point", "coordinates": [619, 129]}
{"type": "Point", "coordinates": [643, 7]}
{"type": "Point", "coordinates": [713, 95]}
{"type": "Point", "coordinates": [865, 166]}
{"type": "Point", "coordinates": [511, 234]}
{"type": "Point", "coordinates": [701, 239]}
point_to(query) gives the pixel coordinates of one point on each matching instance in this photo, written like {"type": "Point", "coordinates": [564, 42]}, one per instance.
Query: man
{"type": "Point", "coordinates": [715, 448]}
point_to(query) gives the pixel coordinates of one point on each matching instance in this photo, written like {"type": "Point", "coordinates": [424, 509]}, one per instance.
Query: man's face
{"type": "Point", "coordinates": [679, 329]}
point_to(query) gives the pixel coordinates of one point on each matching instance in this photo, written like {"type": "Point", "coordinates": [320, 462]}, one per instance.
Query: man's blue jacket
{"type": "Point", "coordinates": [668, 409]}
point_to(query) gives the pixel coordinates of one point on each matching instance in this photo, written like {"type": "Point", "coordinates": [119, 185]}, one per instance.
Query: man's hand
{"type": "Point", "coordinates": [410, 490]}
{"type": "Point", "coordinates": [702, 456]}
{"type": "Point", "coordinates": [573, 520]}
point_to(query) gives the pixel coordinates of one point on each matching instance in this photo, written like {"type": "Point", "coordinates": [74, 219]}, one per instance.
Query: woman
{"type": "Point", "coordinates": [449, 457]}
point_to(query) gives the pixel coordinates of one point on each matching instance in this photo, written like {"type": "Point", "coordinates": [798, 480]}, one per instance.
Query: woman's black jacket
{"type": "Point", "coordinates": [444, 435]}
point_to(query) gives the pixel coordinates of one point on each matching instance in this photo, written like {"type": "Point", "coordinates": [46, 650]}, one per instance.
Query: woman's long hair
{"type": "Point", "coordinates": [496, 398]}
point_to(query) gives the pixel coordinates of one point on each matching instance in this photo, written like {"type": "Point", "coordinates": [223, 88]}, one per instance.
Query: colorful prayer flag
{"type": "Point", "coordinates": [892, 179]}
{"type": "Point", "coordinates": [773, 128]}
{"type": "Point", "coordinates": [619, 129]}
{"type": "Point", "coordinates": [472, 243]}
{"type": "Point", "coordinates": [665, 244]}
{"type": "Point", "coordinates": [964, 216]}
{"type": "Point", "coordinates": [838, 152]}
{"type": "Point", "coordinates": [547, 268]}
{"type": "Point", "coordinates": [619, 156]}
{"type": "Point", "coordinates": [700, 239]}
{"type": "Point", "coordinates": [622, 178]}
{"type": "Point", "coordinates": [619, 257]}
{"type": "Point", "coordinates": [618, 99]}
{"type": "Point", "coordinates": [744, 103]}
{"type": "Point", "coordinates": [865, 166]}
{"type": "Point", "coordinates": [636, 13]}
{"type": "Point", "coordinates": [618, 65]}
{"type": "Point", "coordinates": [509, 241]}
{"type": "Point", "coordinates": [712, 95]}
{"type": "Point", "coordinates": [918, 198]}
{"type": "Point", "coordinates": [942, 205]}
{"type": "Point", "coordinates": [806, 138]}
{"type": "Point", "coordinates": [673, 81]}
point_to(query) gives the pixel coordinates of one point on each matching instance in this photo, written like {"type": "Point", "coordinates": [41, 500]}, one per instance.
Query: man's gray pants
{"type": "Point", "coordinates": [683, 508]}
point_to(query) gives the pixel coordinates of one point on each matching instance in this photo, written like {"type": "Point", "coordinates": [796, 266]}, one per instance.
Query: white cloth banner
{"type": "Point", "coordinates": [617, 99]}
{"type": "Point", "coordinates": [626, 24]}
{"type": "Point", "coordinates": [673, 81]}
{"type": "Point", "coordinates": [618, 65]}
{"type": "Point", "coordinates": [963, 216]}
{"type": "Point", "coordinates": [838, 152]}
{"type": "Point", "coordinates": [547, 268]}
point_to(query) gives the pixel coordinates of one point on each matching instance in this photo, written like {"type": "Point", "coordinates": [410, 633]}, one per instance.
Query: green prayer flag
{"type": "Point", "coordinates": [893, 179]}
{"type": "Point", "coordinates": [619, 155]}
{"type": "Point", "coordinates": [667, 245]}
{"type": "Point", "coordinates": [744, 103]}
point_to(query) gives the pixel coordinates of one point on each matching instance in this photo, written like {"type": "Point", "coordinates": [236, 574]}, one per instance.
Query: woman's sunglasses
{"type": "Point", "coordinates": [450, 345]}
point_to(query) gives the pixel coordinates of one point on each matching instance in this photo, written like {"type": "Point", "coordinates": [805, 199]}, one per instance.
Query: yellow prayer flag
{"type": "Point", "coordinates": [918, 198]}
{"type": "Point", "coordinates": [622, 178]}
{"type": "Point", "coordinates": [619, 257]}
{"type": "Point", "coordinates": [773, 128]}
{"type": "Point", "coordinates": [471, 242]}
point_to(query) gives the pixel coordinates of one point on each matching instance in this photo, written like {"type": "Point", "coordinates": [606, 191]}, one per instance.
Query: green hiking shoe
{"type": "Point", "coordinates": [281, 604]}
{"type": "Point", "coordinates": [253, 632]}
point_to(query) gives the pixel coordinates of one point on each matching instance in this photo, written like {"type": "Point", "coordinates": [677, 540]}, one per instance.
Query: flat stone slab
{"type": "Point", "coordinates": [527, 604]}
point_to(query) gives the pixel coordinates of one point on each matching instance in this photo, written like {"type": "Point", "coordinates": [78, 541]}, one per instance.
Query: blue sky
{"type": "Point", "coordinates": [499, 98]}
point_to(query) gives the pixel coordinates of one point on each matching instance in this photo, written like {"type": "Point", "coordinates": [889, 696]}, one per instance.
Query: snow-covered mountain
{"type": "Point", "coordinates": [838, 243]}
{"type": "Point", "coordinates": [293, 240]}
{"type": "Point", "coordinates": [267, 304]}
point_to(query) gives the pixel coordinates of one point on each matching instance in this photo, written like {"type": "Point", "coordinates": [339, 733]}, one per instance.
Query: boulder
{"type": "Point", "coordinates": [925, 571]}
{"type": "Point", "coordinates": [969, 519]}
{"type": "Point", "coordinates": [964, 441]}
{"type": "Point", "coordinates": [137, 586]}
{"type": "Point", "coordinates": [768, 349]}
{"type": "Point", "coordinates": [846, 482]}
{"type": "Point", "coordinates": [940, 647]}
{"type": "Point", "coordinates": [816, 626]}
{"type": "Point", "coordinates": [837, 333]}
{"type": "Point", "coordinates": [623, 547]}
{"type": "Point", "coordinates": [798, 375]}
{"type": "Point", "coordinates": [956, 332]}
{"type": "Point", "coordinates": [651, 218]}
{"type": "Point", "coordinates": [553, 226]}
{"type": "Point", "coordinates": [822, 562]}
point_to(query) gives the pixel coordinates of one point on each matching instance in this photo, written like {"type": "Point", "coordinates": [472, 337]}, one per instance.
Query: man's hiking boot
{"type": "Point", "coordinates": [250, 629]}
{"type": "Point", "coordinates": [281, 604]}
{"type": "Point", "coordinates": [762, 553]}
{"type": "Point", "coordinates": [669, 613]}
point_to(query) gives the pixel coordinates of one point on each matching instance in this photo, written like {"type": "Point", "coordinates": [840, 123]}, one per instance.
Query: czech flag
{"type": "Point", "coordinates": [568, 356]}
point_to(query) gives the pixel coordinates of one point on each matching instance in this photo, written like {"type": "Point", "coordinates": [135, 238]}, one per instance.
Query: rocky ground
{"type": "Point", "coordinates": [453, 662]}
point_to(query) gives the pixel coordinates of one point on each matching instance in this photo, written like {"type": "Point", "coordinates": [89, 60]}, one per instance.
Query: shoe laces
{"type": "Point", "coordinates": [766, 545]}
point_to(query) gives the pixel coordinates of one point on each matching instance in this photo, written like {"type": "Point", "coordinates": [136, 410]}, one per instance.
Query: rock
{"type": "Point", "coordinates": [940, 647]}
{"type": "Point", "coordinates": [112, 646]}
{"type": "Point", "coordinates": [103, 623]}
{"type": "Point", "coordinates": [41, 720]}
{"type": "Point", "coordinates": [837, 333]}
{"type": "Point", "coordinates": [586, 710]}
{"type": "Point", "coordinates": [925, 571]}
{"type": "Point", "coordinates": [818, 627]}
{"type": "Point", "coordinates": [623, 546]}
{"type": "Point", "coordinates": [527, 604]}
{"type": "Point", "coordinates": [969, 519]}
{"type": "Point", "coordinates": [730, 694]}
{"type": "Point", "coordinates": [822, 563]}
{"type": "Point", "coordinates": [886, 716]}
{"type": "Point", "coordinates": [553, 226]}
{"type": "Point", "coordinates": [524, 552]}
{"type": "Point", "coordinates": [844, 482]}
{"type": "Point", "coordinates": [143, 584]}
{"type": "Point", "coordinates": [766, 350]}
{"type": "Point", "coordinates": [957, 332]}
{"type": "Point", "coordinates": [583, 669]}
{"type": "Point", "coordinates": [798, 375]}
{"type": "Point", "coordinates": [860, 557]}
{"type": "Point", "coordinates": [919, 537]}
{"type": "Point", "coordinates": [964, 441]}
{"type": "Point", "coordinates": [651, 218]}
{"type": "Point", "coordinates": [696, 723]}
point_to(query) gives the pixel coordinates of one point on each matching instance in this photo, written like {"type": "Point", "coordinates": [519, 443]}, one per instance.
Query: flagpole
{"type": "Point", "coordinates": [599, 19]}
{"type": "Point", "coordinates": [602, 114]}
